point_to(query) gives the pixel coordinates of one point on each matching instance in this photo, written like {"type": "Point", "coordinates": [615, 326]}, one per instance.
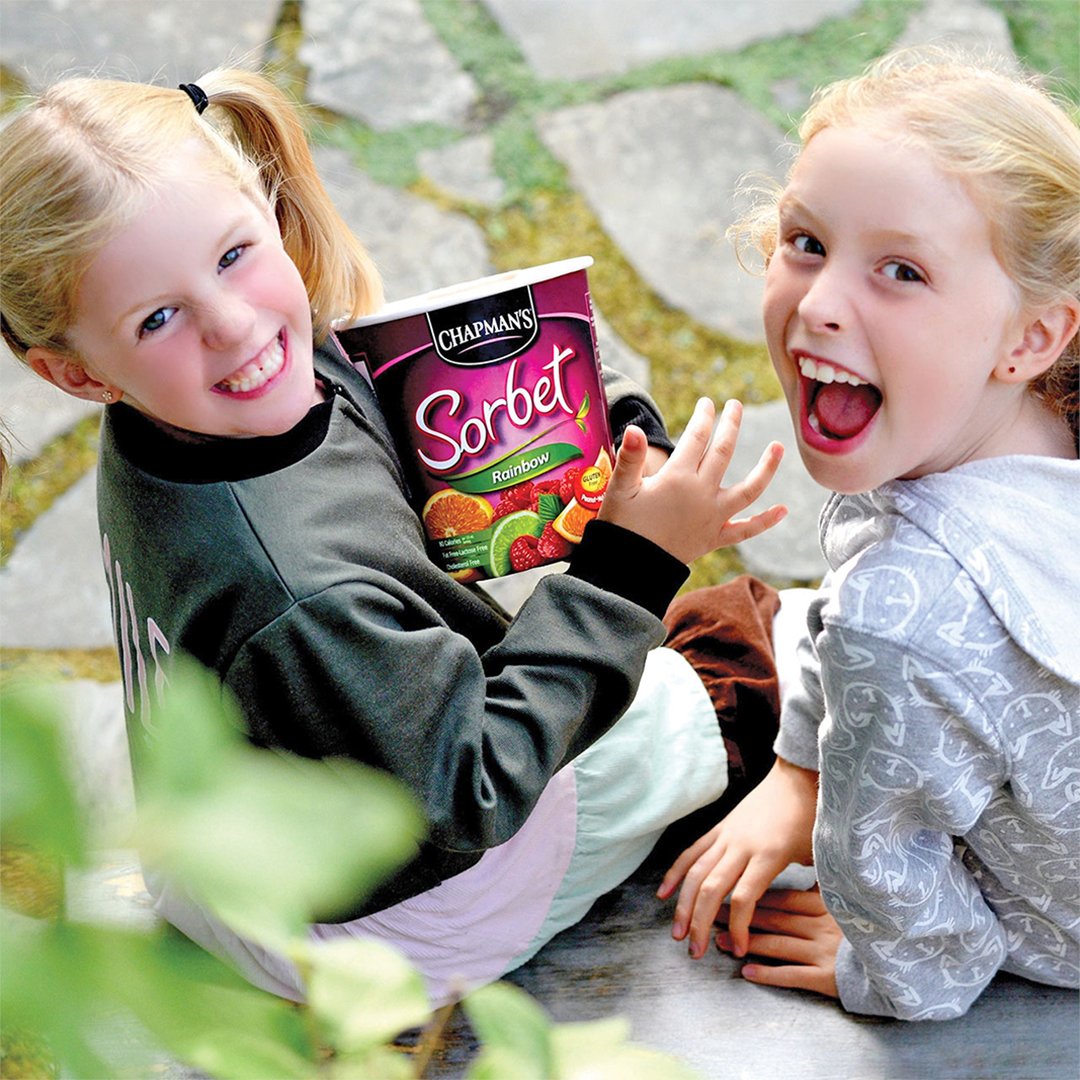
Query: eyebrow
{"type": "Point", "coordinates": [792, 205]}
{"type": "Point", "coordinates": [151, 304]}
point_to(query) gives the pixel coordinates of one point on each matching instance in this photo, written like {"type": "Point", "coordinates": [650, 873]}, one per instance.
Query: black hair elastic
{"type": "Point", "coordinates": [197, 95]}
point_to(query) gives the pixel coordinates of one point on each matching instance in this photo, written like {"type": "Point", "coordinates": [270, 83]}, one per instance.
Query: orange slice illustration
{"type": "Point", "coordinates": [452, 513]}
{"type": "Point", "coordinates": [570, 524]}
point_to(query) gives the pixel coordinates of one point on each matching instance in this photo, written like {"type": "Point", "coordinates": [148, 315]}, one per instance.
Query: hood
{"type": "Point", "coordinates": [1013, 523]}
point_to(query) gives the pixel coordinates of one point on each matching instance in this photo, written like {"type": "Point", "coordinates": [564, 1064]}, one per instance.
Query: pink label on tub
{"type": "Point", "coordinates": [492, 391]}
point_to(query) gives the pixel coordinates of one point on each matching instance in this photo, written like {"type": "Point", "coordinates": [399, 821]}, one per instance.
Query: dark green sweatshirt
{"type": "Point", "coordinates": [295, 568]}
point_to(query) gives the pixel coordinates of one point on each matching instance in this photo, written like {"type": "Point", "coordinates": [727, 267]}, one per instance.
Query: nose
{"type": "Point", "coordinates": [826, 306]}
{"type": "Point", "coordinates": [227, 319]}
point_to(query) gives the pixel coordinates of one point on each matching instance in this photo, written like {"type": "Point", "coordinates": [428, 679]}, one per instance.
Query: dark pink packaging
{"type": "Point", "coordinates": [493, 394]}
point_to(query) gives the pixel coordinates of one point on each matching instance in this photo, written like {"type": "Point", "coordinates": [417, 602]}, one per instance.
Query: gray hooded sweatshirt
{"type": "Point", "coordinates": [940, 701]}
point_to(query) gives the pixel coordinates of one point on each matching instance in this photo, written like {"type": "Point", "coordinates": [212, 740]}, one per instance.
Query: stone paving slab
{"type": "Point", "coordinates": [379, 61]}
{"type": "Point", "coordinates": [35, 412]}
{"type": "Point", "coordinates": [580, 39]}
{"type": "Point", "coordinates": [465, 170]}
{"type": "Point", "coordinates": [970, 24]}
{"type": "Point", "coordinates": [788, 552]}
{"type": "Point", "coordinates": [167, 41]}
{"type": "Point", "coordinates": [416, 246]}
{"type": "Point", "coordinates": [660, 169]}
{"type": "Point", "coordinates": [52, 590]}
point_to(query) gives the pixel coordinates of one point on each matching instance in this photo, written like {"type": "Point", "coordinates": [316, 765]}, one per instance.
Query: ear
{"type": "Point", "coordinates": [1045, 335]}
{"type": "Point", "coordinates": [70, 376]}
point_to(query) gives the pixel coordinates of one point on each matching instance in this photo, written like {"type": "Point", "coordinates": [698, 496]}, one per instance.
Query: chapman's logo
{"type": "Point", "coordinates": [487, 330]}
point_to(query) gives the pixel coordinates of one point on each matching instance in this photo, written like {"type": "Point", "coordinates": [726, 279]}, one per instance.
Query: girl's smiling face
{"type": "Point", "coordinates": [196, 314]}
{"type": "Point", "coordinates": [887, 314]}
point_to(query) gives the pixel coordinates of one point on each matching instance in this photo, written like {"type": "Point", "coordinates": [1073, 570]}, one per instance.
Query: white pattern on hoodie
{"type": "Point", "coordinates": [941, 702]}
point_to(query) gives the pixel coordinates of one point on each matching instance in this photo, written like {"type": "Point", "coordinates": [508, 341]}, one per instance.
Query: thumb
{"type": "Point", "coordinates": [629, 463]}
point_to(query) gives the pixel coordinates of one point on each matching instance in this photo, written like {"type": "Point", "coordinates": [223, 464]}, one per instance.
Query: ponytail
{"type": "Point", "coordinates": [265, 127]}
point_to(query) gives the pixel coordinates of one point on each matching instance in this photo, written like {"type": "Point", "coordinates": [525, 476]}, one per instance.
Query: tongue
{"type": "Point", "coordinates": [844, 410]}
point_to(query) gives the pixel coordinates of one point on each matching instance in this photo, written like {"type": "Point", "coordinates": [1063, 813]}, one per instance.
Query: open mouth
{"type": "Point", "coordinates": [839, 405]}
{"type": "Point", "coordinates": [255, 374]}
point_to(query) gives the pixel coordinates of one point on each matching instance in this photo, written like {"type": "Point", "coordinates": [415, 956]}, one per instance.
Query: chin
{"type": "Point", "coordinates": [834, 476]}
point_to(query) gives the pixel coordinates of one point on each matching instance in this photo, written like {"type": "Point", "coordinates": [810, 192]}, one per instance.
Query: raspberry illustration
{"type": "Point", "coordinates": [524, 553]}
{"type": "Point", "coordinates": [566, 488]}
{"type": "Point", "coordinates": [552, 546]}
{"type": "Point", "coordinates": [521, 495]}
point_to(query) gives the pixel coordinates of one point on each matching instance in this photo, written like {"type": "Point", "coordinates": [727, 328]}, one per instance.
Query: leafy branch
{"type": "Point", "coordinates": [245, 831]}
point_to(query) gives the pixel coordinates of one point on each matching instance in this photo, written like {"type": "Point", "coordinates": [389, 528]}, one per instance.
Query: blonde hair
{"type": "Point", "coordinates": [1009, 140]}
{"type": "Point", "coordinates": [79, 162]}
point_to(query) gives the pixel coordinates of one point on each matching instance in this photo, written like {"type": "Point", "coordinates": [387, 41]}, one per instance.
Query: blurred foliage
{"type": "Point", "coordinates": [245, 832]}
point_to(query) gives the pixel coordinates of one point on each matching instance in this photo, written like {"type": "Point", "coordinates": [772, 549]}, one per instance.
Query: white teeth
{"type": "Point", "coordinates": [258, 372]}
{"type": "Point", "coordinates": [822, 372]}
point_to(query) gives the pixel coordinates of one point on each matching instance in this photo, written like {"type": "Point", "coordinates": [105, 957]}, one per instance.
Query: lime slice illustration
{"type": "Point", "coordinates": [505, 531]}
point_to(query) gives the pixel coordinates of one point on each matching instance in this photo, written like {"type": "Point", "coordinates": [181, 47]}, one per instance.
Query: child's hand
{"type": "Point", "coordinates": [683, 507]}
{"type": "Point", "coordinates": [800, 931]}
{"type": "Point", "coordinates": [770, 829]}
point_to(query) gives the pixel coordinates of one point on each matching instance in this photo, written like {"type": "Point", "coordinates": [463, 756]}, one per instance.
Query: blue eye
{"type": "Point", "coordinates": [807, 244]}
{"type": "Point", "coordinates": [230, 257]}
{"type": "Point", "coordinates": [156, 321]}
{"type": "Point", "coordinates": [900, 271]}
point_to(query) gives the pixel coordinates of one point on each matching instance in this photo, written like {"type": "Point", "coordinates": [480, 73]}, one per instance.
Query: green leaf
{"type": "Point", "coordinates": [364, 993]}
{"type": "Point", "coordinates": [49, 989]}
{"type": "Point", "coordinates": [339, 828]}
{"type": "Point", "coordinates": [515, 468]}
{"type": "Point", "coordinates": [379, 1063]}
{"type": "Point", "coordinates": [37, 802]}
{"type": "Point", "coordinates": [269, 841]}
{"type": "Point", "coordinates": [598, 1050]}
{"type": "Point", "coordinates": [62, 980]}
{"type": "Point", "coordinates": [193, 739]}
{"type": "Point", "coordinates": [201, 1011]}
{"type": "Point", "coordinates": [548, 506]}
{"type": "Point", "coordinates": [500, 1063]}
{"type": "Point", "coordinates": [514, 1030]}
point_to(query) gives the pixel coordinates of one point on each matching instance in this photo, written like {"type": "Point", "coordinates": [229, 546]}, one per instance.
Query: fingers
{"type": "Point", "coordinates": [694, 441]}
{"type": "Point", "coordinates": [761, 475]}
{"type": "Point", "coordinates": [788, 948]}
{"type": "Point", "coordinates": [679, 867]}
{"type": "Point", "coordinates": [706, 884]}
{"type": "Point", "coordinates": [745, 898]}
{"type": "Point", "coordinates": [702, 893]}
{"type": "Point", "coordinates": [773, 922]}
{"type": "Point", "coordinates": [795, 901]}
{"type": "Point", "coordinates": [735, 532]}
{"type": "Point", "coordinates": [630, 461]}
{"type": "Point", "coordinates": [792, 977]}
{"type": "Point", "coordinates": [796, 931]}
{"type": "Point", "coordinates": [718, 455]}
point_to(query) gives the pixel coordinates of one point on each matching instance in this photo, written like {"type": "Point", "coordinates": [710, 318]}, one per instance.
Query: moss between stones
{"type": "Point", "coordinates": [52, 665]}
{"type": "Point", "coordinates": [34, 485]}
{"type": "Point", "coordinates": [542, 219]}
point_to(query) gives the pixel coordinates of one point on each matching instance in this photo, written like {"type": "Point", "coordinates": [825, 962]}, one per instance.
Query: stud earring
{"type": "Point", "coordinates": [1012, 371]}
{"type": "Point", "coordinates": [107, 396]}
